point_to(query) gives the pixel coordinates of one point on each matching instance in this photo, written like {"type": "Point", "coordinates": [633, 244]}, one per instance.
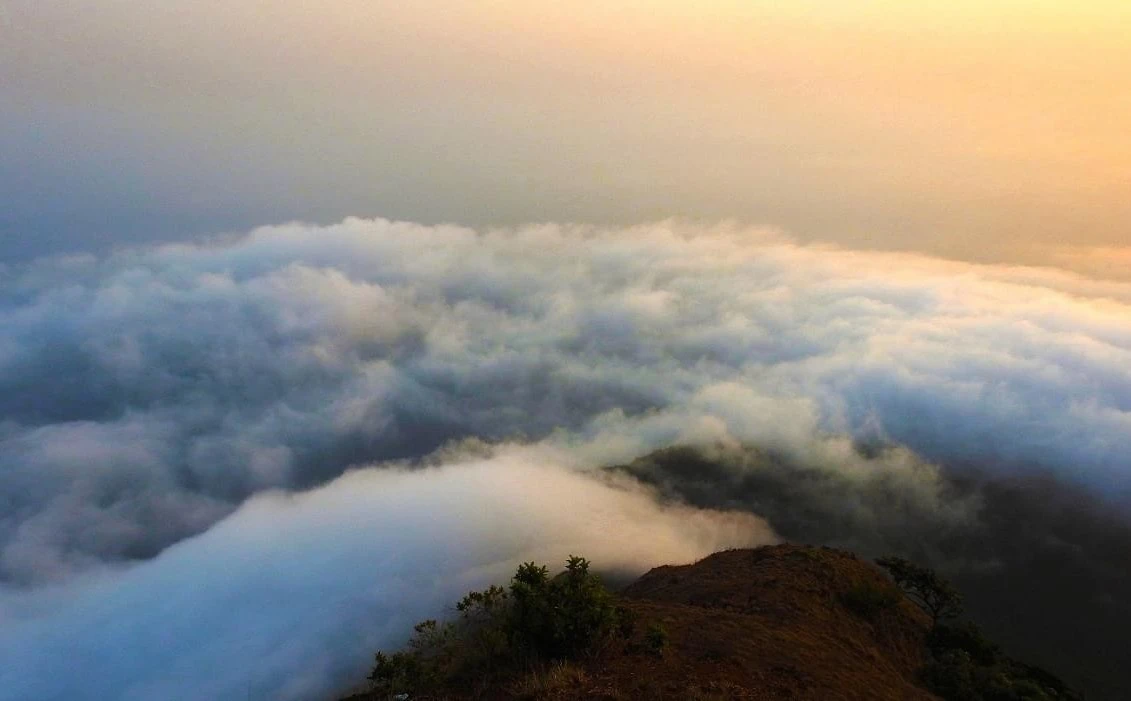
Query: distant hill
{"type": "Point", "coordinates": [780, 622]}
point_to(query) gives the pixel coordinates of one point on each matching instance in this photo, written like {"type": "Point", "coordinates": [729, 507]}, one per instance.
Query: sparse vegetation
{"type": "Point", "coordinates": [965, 666]}
{"type": "Point", "coordinates": [926, 588]}
{"type": "Point", "coordinates": [962, 664]}
{"type": "Point", "coordinates": [540, 620]}
{"type": "Point", "coordinates": [547, 680]}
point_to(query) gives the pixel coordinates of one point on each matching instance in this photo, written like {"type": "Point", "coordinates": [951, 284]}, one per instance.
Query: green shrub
{"type": "Point", "coordinates": [965, 666]}
{"type": "Point", "coordinates": [967, 638]}
{"type": "Point", "coordinates": [537, 620]}
{"type": "Point", "coordinates": [564, 616]}
{"type": "Point", "coordinates": [950, 674]}
{"type": "Point", "coordinates": [401, 670]}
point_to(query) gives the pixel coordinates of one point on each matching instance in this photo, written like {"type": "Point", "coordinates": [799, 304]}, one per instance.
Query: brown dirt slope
{"type": "Point", "coordinates": [780, 622]}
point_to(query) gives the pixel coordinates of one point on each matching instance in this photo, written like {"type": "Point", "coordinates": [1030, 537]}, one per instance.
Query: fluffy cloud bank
{"type": "Point", "coordinates": [147, 396]}
{"type": "Point", "coordinates": [288, 597]}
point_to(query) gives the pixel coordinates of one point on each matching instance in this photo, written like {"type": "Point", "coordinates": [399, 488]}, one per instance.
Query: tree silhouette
{"type": "Point", "coordinates": [925, 587]}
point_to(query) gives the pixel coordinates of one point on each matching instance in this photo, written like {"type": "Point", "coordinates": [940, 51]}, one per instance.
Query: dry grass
{"type": "Point", "coordinates": [549, 682]}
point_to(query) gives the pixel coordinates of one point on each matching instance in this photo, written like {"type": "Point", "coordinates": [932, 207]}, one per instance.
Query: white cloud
{"type": "Point", "coordinates": [289, 597]}
{"type": "Point", "coordinates": [145, 396]}
{"type": "Point", "coordinates": [158, 388]}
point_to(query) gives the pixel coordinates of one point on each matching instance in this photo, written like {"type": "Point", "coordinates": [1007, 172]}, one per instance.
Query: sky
{"type": "Point", "coordinates": [985, 131]}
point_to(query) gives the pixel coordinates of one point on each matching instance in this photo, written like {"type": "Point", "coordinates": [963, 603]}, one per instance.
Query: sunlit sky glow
{"type": "Point", "coordinates": [988, 130]}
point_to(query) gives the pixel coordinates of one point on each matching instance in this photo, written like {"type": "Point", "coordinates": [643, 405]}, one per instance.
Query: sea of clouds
{"type": "Point", "coordinates": [232, 470]}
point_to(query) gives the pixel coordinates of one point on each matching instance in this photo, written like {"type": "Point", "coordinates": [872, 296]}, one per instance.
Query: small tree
{"type": "Point", "coordinates": [499, 631]}
{"type": "Point", "coordinates": [925, 587]}
{"type": "Point", "coordinates": [563, 616]}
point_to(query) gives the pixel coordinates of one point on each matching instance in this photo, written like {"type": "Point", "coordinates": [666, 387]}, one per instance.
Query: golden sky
{"type": "Point", "coordinates": [985, 130]}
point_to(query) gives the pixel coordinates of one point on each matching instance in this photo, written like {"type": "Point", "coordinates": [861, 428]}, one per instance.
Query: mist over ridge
{"type": "Point", "coordinates": [287, 598]}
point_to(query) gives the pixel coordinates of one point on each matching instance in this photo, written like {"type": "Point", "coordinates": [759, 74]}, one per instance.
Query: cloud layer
{"type": "Point", "coordinates": [288, 597]}
{"type": "Point", "coordinates": [145, 396]}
